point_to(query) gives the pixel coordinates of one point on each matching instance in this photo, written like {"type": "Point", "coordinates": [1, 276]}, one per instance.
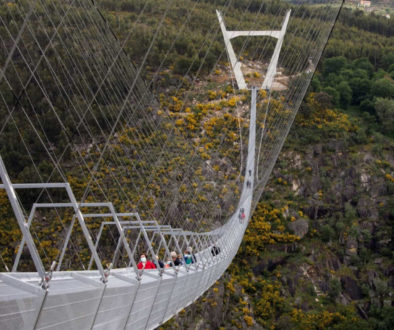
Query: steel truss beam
{"type": "Point", "coordinates": [236, 64]}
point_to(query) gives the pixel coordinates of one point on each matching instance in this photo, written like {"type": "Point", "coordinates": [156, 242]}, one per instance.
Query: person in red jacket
{"type": "Point", "coordinates": [145, 264]}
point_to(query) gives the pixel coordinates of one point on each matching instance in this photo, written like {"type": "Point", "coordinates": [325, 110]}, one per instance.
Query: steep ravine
{"type": "Point", "coordinates": [336, 196]}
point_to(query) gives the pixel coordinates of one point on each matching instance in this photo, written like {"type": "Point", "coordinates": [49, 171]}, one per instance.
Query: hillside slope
{"type": "Point", "coordinates": [336, 196]}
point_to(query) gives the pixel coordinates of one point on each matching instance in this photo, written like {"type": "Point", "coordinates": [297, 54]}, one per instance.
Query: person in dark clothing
{"type": "Point", "coordinates": [161, 263]}
{"type": "Point", "coordinates": [215, 250]}
{"type": "Point", "coordinates": [175, 260]}
{"type": "Point", "coordinates": [241, 215]}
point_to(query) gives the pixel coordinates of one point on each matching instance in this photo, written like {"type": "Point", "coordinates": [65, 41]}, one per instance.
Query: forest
{"type": "Point", "coordinates": [318, 252]}
{"type": "Point", "coordinates": [332, 187]}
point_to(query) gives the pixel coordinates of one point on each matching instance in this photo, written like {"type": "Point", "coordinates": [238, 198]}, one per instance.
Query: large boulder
{"type": "Point", "coordinates": [269, 264]}
{"type": "Point", "coordinates": [300, 227]}
{"type": "Point", "coordinates": [351, 288]}
{"type": "Point", "coordinates": [351, 246]}
{"type": "Point", "coordinates": [365, 207]}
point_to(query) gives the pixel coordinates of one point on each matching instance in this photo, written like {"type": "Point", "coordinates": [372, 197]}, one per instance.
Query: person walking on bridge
{"type": "Point", "coordinates": [189, 257]}
{"type": "Point", "coordinates": [145, 264]}
{"type": "Point", "coordinates": [175, 260]}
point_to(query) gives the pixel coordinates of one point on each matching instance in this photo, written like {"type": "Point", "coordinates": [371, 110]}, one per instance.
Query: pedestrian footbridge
{"type": "Point", "coordinates": [125, 298]}
{"type": "Point", "coordinates": [77, 113]}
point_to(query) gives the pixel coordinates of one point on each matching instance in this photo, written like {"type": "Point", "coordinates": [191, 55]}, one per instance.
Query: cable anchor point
{"type": "Point", "coordinates": [48, 276]}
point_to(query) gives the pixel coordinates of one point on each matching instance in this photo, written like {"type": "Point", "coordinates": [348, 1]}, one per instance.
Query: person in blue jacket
{"type": "Point", "coordinates": [189, 257]}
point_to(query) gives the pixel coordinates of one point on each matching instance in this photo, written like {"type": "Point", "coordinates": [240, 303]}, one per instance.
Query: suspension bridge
{"type": "Point", "coordinates": [82, 120]}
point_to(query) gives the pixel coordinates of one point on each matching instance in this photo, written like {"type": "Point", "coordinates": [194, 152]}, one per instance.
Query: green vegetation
{"type": "Point", "coordinates": [318, 252]}
{"type": "Point", "coordinates": [335, 173]}
{"type": "Point", "coordinates": [360, 86]}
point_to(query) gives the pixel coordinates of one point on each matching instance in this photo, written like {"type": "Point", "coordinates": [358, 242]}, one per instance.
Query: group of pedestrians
{"type": "Point", "coordinates": [175, 260]}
